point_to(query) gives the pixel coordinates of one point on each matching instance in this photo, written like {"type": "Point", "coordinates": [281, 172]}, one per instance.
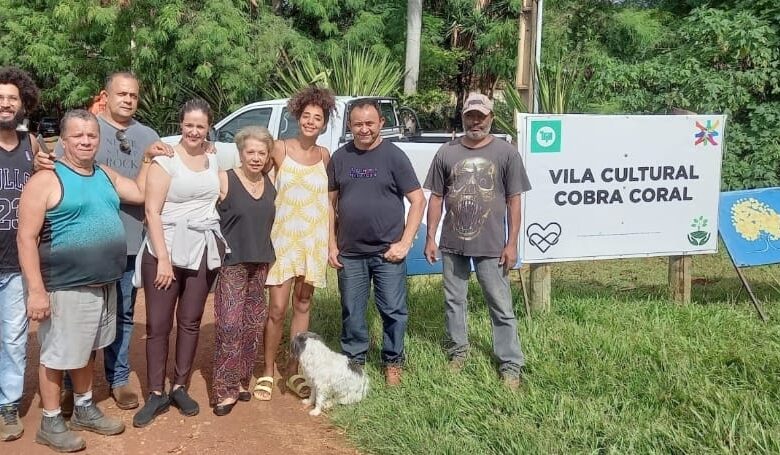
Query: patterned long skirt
{"type": "Point", "coordinates": [240, 312]}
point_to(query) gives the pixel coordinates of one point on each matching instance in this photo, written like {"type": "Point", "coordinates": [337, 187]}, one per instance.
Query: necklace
{"type": "Point", "coordinates": [254, 186]}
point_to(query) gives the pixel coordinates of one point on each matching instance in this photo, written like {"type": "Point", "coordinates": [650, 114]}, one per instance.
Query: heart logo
{"type": "Point", "coordinates": [543, 237]}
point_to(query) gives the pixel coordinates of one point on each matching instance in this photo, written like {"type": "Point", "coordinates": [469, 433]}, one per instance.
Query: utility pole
{"type": "Point", "coordinates": [528, 54]}
{"type": "Point", "coordinates": [413, 33]}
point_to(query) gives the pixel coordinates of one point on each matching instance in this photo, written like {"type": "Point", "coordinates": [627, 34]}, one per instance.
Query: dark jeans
{"type": "Point", "coordinates": [389, 281]}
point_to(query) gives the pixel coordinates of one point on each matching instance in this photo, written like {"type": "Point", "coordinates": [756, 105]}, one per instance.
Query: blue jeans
{"type": "Point", "coordinates": [13, 338]}
{"type": "Point", "coordinates": [389, 280]}
{"type": "Point", "coordinates": [116, 356]}
{"type": "Point", "coordinates": [494, 281]}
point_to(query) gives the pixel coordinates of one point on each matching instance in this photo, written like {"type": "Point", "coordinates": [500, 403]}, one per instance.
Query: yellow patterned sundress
{"type": "Point", "coordinates": [300, 230]}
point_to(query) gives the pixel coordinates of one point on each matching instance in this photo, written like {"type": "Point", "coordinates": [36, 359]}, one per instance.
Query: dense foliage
{"type": "Point", "coordinates": [629, 56]}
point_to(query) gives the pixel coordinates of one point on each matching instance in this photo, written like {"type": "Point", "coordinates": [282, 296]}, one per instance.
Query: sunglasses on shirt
{"type": "Point", "coordinates": [124, 144]}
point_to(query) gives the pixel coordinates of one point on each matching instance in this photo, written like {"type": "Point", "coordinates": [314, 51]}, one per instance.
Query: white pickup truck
{"type": "Point", "coordinates": [275, 116]}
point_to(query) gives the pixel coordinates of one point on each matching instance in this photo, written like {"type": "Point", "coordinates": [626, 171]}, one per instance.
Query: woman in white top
{"type": "Point", "coordinates": [183, 254]}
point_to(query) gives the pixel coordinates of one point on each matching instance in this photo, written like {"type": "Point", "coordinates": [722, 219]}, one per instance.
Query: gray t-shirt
{"type": "Point", "coordinates": [372, 186]}
{"type": "Point", "coordinates": [475, 184]}
{"type": "Point", "coordinates": [139, 137]}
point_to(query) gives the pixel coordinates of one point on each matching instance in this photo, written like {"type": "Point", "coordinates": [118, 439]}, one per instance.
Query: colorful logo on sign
{"type": "Point", "coordinates": [699, 236]}
{"type": "Point", "coordinates": [545, 136]}
{"type": "Point", "coordinates": [707, 133]}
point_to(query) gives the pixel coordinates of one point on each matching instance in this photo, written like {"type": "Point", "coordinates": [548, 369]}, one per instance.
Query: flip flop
{"type": "Point", "coordinates": [259, 387]}
{"type": "Point", "coordinates": [299, 386]}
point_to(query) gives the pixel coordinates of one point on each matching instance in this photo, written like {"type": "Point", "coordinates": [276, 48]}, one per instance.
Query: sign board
{"type": "Point", "coordinates": [750, 226]}
{"type": "Point", "coordinates": [620, 186]}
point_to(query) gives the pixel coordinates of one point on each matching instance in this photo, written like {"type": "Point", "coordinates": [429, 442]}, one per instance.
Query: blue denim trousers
{"type": "Point", "coordinates": [13, 338]}
{"type": "Point", "coordinates": [389, 280]}
{"type": "Point", "coordinates": [494, 281]}
{"type": "Point", "coordinates": [116, 356]}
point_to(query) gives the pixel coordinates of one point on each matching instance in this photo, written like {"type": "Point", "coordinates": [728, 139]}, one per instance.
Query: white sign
{"type": "Point", "coordinates": [620, 186]}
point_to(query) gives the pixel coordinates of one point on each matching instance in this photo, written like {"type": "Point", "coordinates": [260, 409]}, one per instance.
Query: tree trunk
{"type": "Point", "coordinates": [413, 33]}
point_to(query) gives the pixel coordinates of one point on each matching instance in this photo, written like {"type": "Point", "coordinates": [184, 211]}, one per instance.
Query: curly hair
{"type": "Point", "coordinates": [312, 96]}
{"type": "Point", "coordinates": [27, 89]}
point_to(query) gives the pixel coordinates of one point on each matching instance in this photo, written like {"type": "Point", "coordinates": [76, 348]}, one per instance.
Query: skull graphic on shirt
{"type": "Point", "coordinates": [470, 193]}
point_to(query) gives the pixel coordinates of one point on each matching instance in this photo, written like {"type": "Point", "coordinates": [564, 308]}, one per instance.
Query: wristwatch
{"type": "Point", "coordinates": [146, 160]}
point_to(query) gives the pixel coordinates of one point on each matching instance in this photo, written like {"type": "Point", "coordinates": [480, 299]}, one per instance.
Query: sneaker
{"type": "Point", "coordinates": [66, 403]}
{"type": "Point", "coordinates": [154, 406]}
{"type": "Point", "coordinates": [393, 375]}
{"type": "Point", "coordinates": [456, 364]}
{"type": "Point", "coordinates": [187, 406]}
{"type": "Point", "coordinates": [10, 425]}
{"type": "Point", "coordinates": [125, 397]}
{"type": "Point", "coordinates": [91, 418]}
{"type": "Point", "coordinates": [55, 434]}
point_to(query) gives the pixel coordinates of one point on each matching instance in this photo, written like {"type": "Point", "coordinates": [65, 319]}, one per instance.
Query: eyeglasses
{"type": "Point", "coordinates": [124, 144]}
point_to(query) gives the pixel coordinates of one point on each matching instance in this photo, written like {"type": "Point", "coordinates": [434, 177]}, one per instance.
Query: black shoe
{"type": "Point", "coordinates": [154, 406]}
{"type": "Point", "coordinates": [244, 396]}
{"type": "Point", "coordinates": [224, 409]}
{"type": "Point", "coordinates": [187, 406]}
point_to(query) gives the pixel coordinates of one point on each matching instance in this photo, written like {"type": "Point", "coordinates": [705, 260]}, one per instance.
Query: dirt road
{"type": "Point", "coordinates": [280, 426]}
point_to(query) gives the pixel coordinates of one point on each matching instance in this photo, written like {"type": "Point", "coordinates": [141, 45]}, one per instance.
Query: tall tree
{"type": "Point", "coordinates": [413, 35]}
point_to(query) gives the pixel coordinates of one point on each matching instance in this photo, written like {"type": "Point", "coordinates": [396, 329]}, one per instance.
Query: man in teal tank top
{"type": "Point", "coordinates": [72, 251]}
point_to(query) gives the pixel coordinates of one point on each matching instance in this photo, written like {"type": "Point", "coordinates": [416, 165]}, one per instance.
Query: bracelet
{"type": "Point", "coordinates": [146, 160]}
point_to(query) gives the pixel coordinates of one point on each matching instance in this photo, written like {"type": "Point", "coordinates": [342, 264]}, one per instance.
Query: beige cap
{"type": "Point", "coordinates": [478, 102]}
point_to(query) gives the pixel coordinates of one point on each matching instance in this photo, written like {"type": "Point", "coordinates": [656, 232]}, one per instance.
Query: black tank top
{"type": "Point", "coordinates": [16, 167]}
{"type": "Point", "coordinates": [246, 222]}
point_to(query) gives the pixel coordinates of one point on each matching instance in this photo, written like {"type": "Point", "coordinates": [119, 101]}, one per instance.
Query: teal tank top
{"type": "Point", "coordinates": [82, 241]}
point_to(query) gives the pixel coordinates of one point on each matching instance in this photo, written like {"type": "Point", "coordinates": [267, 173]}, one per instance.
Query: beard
{"type": "Point", "coordinates": [14, 122]}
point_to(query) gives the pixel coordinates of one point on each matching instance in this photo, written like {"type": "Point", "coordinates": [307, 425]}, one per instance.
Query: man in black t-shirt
{"type": "Point", "coordinates": [367, 182]}
{"type": "Point", "coordinates": [480, 178]}
{"type": "Point", "coordinates": [18, 97]}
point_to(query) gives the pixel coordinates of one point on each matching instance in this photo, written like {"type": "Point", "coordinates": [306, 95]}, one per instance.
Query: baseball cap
{"type": "Point", "coordinates": [478, 102]}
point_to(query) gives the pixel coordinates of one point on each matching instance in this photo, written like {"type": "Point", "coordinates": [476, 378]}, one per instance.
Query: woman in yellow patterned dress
{"type": "Point", "coordinates": [300, 231]}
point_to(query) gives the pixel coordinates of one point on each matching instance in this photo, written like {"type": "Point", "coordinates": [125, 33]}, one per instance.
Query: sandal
{"type": "Point", "coordinates": [301, 387]}
{"type": "Point", "coordinates": [259, 387]}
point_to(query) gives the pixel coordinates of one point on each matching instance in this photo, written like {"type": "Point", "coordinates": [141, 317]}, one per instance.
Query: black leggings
{"type": "Point", "coordinates": [190, 288]}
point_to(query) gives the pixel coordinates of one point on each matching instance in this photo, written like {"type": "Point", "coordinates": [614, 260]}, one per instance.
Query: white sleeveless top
{"type": "Point", "coordinates": [189, 214]}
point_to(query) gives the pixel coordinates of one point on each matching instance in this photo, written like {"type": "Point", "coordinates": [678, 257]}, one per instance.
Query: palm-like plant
{"type": "Point", "coordinates": [352, 72]}
{"type": "Point", "coordinates": [556, 84]}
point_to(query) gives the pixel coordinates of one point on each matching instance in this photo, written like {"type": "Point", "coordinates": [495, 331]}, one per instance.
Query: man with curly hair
{"type": "Point", "coordinates": [18, 96]}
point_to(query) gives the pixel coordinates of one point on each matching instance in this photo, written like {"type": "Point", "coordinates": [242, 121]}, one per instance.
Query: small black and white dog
{"type": "Point", "coordinates": [332, 378]}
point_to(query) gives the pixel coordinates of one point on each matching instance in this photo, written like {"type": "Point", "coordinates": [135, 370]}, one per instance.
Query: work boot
{"type": "Point", "coordinates": [66, 403]}
{"type": "Point", "coordinates": [10, 425]}
{"type": "Point", "coordinates": [393, 375]}
{"type": "Point", "coordinates": [91, 418]}
{"type": "Point", "coordinates": [154, 406]}
{"type": "Point", "coordinates": [125, 397]}
{"type": "Point", "coordinates": [55, 434]}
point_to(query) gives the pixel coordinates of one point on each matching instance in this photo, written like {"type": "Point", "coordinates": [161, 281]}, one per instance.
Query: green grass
{"type": "Point", "coordinates": [614, 368]}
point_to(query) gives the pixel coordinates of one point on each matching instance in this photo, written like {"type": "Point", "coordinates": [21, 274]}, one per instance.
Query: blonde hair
{"type": "Point", "coordinates": [259, 133]}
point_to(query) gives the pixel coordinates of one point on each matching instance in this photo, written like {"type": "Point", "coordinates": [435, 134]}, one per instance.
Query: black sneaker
{"type": "Point", "coordinates": [55, 434]}
{"type": "Point", "coordinates": [91, 418]}
{"type": "Point", "coordinates": [187, 406]}
{"type": "Point", "coordinates": [154, 406]}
